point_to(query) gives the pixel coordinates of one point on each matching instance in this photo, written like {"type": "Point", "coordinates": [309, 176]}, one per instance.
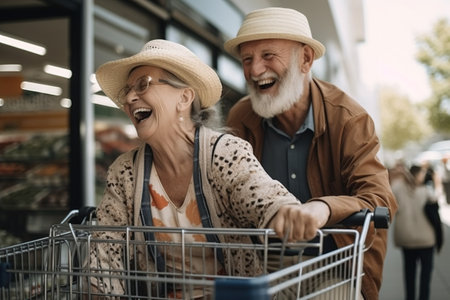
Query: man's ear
{"type": "Point", "coordinates": [186, 99]}
{"type": "Point", "coordinates": [307, 60]}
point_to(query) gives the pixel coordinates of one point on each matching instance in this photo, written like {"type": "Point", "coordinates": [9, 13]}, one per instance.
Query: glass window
{"type": "Point", "coordinates": [200, 49]}
{"type": "Point", "coordinates": [220, 13]}
{"type": "Point", "coordinates": [120, 30]}
{"type": "Point", "coordinates": [34, 127]}
{"type": "Point", "coordinates": [231, 72]}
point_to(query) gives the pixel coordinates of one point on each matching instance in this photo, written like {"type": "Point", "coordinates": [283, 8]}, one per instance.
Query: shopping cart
{"type": "Point", "coordinates": [66, 265]}
{"type": "Point", "coordinates": [25, 271]}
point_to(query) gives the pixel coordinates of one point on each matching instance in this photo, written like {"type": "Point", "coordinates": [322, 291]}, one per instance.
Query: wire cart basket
{"type": "Point", "coordinates": [65, 264]}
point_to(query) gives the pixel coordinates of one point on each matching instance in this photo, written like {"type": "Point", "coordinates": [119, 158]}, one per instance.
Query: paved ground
{"type": "Point", "coordinates": [393, 288]}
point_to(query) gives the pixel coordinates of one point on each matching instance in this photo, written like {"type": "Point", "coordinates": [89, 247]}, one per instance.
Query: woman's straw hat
{"type": "Point", "coordinates": [175, 58]}
{"type": "Point", "coordinates": [274, 23]}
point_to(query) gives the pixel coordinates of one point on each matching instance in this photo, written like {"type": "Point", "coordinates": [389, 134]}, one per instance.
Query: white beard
{"type": "Point", "coordinates": [289, 92]}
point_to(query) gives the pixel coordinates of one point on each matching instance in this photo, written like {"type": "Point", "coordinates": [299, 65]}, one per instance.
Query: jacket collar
{"type": "Point", "coordinates": [251, 120]}
{"type": "Point", "coordinates": [317, 97]}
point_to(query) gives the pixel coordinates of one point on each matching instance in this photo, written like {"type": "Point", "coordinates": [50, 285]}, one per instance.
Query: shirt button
{"type": "Point", "coordinates": [292, 146]}
{"type": "Point", "coordinates": [293, 176]}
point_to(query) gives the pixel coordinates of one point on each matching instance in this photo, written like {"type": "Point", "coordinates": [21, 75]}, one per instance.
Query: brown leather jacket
{"type": "Point", "coordinates": [343, 169]}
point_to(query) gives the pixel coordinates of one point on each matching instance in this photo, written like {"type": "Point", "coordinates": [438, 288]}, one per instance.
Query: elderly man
{"type": "Point", "coordinates": [307, 133]}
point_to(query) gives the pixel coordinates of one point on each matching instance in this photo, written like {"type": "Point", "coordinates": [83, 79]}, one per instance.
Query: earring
{"type": "Point", "coordinates": [180, 118]}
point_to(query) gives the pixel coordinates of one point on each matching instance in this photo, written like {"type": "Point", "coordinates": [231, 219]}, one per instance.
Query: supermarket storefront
{"type": "Point", "coordinates": [58, 133]}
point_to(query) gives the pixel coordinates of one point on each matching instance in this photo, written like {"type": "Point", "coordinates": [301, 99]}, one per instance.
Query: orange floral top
{"type": "Point", "coordinates": [166, 214]}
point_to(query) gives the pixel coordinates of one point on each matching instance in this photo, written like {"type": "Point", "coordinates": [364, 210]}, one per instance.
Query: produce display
{"type": "Point", "coordinates": [38, 147]}
{"type": "Point", "coordinates": [34, 173]}
{"type": "Point", "coordinates": [35, 177]}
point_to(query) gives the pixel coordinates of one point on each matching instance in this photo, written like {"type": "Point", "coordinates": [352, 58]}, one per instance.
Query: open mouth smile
{"type": "Point", "coordinates": [265, 83]}
{"type": "Point", "coordinates": [141, 114]}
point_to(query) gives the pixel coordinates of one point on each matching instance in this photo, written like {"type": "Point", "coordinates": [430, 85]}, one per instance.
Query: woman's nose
{"type": "Point", "coordinates": [131, 97]}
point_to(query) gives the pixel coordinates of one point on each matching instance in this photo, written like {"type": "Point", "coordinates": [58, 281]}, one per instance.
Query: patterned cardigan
{"type": "Point", "coordinates": [238, 192]}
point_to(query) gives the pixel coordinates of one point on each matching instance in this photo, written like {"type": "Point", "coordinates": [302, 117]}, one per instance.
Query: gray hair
{"type": "Point", "coordinates": [209, 117]}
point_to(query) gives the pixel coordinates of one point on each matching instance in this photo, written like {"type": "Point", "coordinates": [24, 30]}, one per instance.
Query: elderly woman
{"type": "Point", "coordinates": [185, 170]}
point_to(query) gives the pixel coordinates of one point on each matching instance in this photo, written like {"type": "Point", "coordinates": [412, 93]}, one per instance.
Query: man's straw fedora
{"type": "Point", "coordinates": [274, 23]}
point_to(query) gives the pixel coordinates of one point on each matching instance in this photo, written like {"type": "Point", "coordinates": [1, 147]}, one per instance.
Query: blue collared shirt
{"type": "Point", "coordinates": [285, 158]}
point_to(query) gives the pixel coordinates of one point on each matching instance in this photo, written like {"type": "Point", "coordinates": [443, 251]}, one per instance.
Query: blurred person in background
{"type": "Point", "coordinates": [413, 232]}
{"type": "Point", "coordinates": [446, 178]}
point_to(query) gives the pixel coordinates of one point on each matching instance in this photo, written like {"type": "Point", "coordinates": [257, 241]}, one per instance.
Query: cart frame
{"type": "Point", "coordinates": [60, 266]}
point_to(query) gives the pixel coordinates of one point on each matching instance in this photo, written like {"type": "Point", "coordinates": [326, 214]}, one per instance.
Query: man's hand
{"type": "Point", "coordinates": [300, 222]}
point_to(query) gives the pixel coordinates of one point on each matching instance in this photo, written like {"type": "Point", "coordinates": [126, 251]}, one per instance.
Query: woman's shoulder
{"type": "Point", "coordinates": [227, 143]}
{"type": "Point", "coordinates": [223, 137]}
{"type": "Point", "coordinates": [125, 160]}
{"type": "Point", "coordinates": [225, 148]}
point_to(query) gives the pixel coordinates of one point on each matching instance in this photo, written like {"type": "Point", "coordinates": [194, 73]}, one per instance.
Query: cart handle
{"type": "Point", "coordinates": [380, 217]}
{"type": "Point", "coordinates": [79, 216]}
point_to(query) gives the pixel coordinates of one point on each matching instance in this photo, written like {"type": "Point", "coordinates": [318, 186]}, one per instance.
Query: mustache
{"type": "Point", "coordinates": [266, 75]}
{"type": "Point", "coordinates": [289, 91]}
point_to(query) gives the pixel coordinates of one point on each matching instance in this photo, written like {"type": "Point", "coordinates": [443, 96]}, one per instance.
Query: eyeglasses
{"type": "Point", "coordinates": [140, 87]}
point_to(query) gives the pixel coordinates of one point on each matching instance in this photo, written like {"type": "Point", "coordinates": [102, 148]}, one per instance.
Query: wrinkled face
{"type": "Point", "coordinates": [152, 109]}
{"type": "Point", "coordinates": [272, 71]}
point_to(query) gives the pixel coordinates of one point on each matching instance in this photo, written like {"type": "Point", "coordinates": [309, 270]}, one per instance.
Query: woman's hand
{"type": "Point", "coordinates": [300, 222]}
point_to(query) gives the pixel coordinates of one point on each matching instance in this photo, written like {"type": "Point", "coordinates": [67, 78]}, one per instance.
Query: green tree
{"type": "Point", "coordinates": [401, 121]}
{"type": "Point", "coordinates": [434, 53]}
